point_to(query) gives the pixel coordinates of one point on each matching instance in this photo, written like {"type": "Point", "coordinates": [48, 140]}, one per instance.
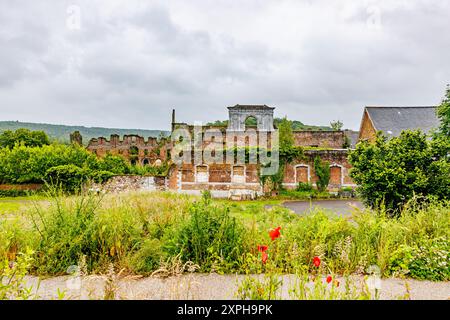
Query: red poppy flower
{"type": "Point", "coordinates": [316, 261]}
{"type": "Point", "coordinates": [262, 248]}
{"type": "Point", "coordinates": [275, 233]}
{"type": "Point", "coordinates": [329, 279]}
{"type": "Point", "coordinates": [264, 258]}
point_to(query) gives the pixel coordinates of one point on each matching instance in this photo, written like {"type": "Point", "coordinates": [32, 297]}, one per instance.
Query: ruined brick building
{"type": "Point", "coordinates": [228, 180]}
{"type": "Point", "coordinates": [242, 180]}
{"type": "Point", "coordinates": [132, 147]}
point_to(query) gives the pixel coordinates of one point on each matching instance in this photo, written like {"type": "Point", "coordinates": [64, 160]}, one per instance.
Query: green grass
{"type": "Point", "coordinates": [9, 207]}
{"type": "Point", "coordinates": [142, 232]}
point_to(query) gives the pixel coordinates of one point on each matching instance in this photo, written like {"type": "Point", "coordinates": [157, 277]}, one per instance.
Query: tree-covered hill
{"type": "Point", "coordinates": [62, 133]}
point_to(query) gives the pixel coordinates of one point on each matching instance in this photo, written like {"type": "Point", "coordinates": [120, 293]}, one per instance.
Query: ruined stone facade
{"type": "Point", "coordinates": [222, 178]}
{"type": "Point", "coordinates": [132, 147]}
{"type": "Point", "coordinates": [238, 181]}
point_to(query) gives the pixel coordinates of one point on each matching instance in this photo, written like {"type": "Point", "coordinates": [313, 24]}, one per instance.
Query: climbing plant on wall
{"type": "Point", "coordinates": [288, 152]}
{"type": "Point", "coordinates": [322, 169]}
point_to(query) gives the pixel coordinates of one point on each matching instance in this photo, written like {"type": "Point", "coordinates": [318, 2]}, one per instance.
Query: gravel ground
{"type": "Point", "coordinates": [209, 287]}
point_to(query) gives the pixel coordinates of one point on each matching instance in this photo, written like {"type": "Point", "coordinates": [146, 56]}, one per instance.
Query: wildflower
{"type": "Point", "coordinates": [265, 256]}
{"type": "Point", "coordinates": [275, 233]}
{"type": "Point", "coordinates": [262, 248]}
{"type": "Point", "coordinates": [316, 261]}
{"type": "Point", "coordinates": [329, 279]}
{"type": "Point", "coordinates": [336, 283]}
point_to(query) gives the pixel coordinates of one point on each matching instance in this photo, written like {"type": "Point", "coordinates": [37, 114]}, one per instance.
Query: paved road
{"type": "Point", "coordinates": [212, 287]}
{"type": "Point", "coordinates": [341, 207]}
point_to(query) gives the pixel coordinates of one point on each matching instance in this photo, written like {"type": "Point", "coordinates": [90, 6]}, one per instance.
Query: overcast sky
{"type": "Point", "coordinates": [128, 63]}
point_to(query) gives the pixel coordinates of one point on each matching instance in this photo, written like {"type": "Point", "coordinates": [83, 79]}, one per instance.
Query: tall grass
{"type": "Point", "coordinates": [140, 232]}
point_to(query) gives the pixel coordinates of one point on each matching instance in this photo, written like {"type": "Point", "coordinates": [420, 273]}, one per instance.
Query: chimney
{"type": "Point", "coordinates": [173, 120]}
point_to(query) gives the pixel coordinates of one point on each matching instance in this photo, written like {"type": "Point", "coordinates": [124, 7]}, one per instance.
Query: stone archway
{"type": "Point", "coordinates": [240, 113]}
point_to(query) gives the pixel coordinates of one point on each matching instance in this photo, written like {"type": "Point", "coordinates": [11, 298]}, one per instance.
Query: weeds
{"type": "Point", "coordinates": [166, 234]}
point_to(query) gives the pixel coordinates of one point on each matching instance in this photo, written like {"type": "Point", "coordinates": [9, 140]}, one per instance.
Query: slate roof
{"type": "Point", "coordinates": [392, 120]}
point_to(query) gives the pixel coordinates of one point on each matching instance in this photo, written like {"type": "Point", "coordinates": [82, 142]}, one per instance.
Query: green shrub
{"type": "Point", "coordinates": [305, 187]}
{"type": "Point", "coordinates": [210, 238]}
{"type": "Point", "coordinates": [8, 138]}
{"type": "Point", "coordinates": [15, 193]}
{"type": "Point", "coordinates": [23, 164]}
{"type": "Point", "coordinates": [69, 177]}
{"type": "Point", "coordinates": [428, 260]}
{"type": "Point", "coordinates": [392, 171]}
{"type": "Point", "coordinates": [13, 285]}
{"type": "Point", "coordinates": [114, 164]}
{"type": "Point", "coordinates": [66, 233]}
{"type": "Point", "coordinates": [100, 176]}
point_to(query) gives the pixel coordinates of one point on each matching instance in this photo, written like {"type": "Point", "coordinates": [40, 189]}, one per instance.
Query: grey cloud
{"type": "Point", "coordinates": [131, 63]}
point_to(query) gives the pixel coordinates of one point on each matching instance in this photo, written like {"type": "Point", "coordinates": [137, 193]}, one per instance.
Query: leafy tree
{"type": "Point", "coordinates": [336, 125]}
{"type": "Point", "coordinates": [391, 172]}
{"type": "Point", "coordinates": [443, 112]}
{"type": "Point", "coordinates": [285, 134]}
{"type": "Point", "coordinates": [8, 139]}
{"type": "Point", "coordinates": [288, 152]}
{"type": "Point", "coordinates": [322, 169]}
{"type": "Point", "coordinates": [114, 164]}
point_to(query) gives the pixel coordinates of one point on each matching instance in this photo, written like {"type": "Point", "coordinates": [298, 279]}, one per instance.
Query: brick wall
{"type": "Point", "coordinates": [147, 151]}
{"type": "Point", "coordinates": [323, 139]}
{"type": "Point", "coordinates": [303, 170]}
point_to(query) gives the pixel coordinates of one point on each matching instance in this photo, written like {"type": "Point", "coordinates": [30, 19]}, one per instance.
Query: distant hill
{"type": "Point", "coordinates": [62, 133]}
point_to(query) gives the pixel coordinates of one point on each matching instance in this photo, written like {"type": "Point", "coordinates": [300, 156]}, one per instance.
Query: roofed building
{"type": "Point", "coordinates": [393, 120]}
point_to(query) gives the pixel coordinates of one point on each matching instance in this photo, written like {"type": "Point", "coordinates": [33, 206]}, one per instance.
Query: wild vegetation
{"type": "Point", "coordinates": [141, 233]}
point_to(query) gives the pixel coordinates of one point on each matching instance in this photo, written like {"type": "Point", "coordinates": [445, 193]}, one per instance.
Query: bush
{"type": "Point", "coordinates": [114, 164]}
{"type": "Point", "coordinates": [428, 260]}
{"type": "Point", "coordinates": [13, 285]}
{"type": "Point", "coordinates": [30, 164]}
{"type": "Point", "coordinates": [100, 176]}
{"type": "Point", "coordinates": [305, 187]}
{"type": "Point", "coordinates": [210, 238]}
{"type": "Point", "coordinates": [8, 138]}
{"type": "Point", "coordinates": [15, 193]}
{"type": "Point", "coordinates": [69, 177]}
{"type": "Point", "coordinates": [391, 172]}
